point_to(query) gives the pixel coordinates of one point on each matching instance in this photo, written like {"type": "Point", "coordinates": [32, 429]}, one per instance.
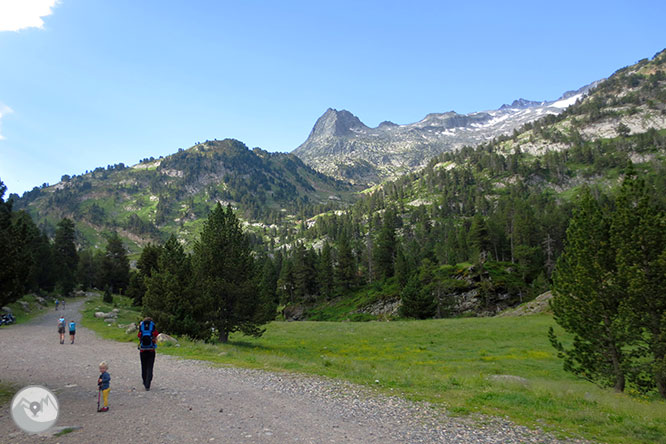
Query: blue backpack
{"type": "Point", "coordinates": [147, 335]}
{"type": "Point", "coordinates": [72, 326]}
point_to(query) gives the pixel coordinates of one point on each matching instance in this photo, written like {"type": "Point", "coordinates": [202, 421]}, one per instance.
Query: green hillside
{"type": "Point", "coordinates": [171, 195]}
{"type": "Point", "coordinates": [505, 204]}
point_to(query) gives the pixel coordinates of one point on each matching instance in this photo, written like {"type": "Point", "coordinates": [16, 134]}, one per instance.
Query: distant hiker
{"type": "Point", "coordinates": [147, 345]}
{"type": "Point", "coordinates": [63, 304]}
{"type": "Point", "coordinates": [103, 384]}
{"type": "Point", "coordinates": [57, 302]}
{"type": "Point", "coordinates": [72, 330]}
{"type": "Point", "coordinates": [61, 329]}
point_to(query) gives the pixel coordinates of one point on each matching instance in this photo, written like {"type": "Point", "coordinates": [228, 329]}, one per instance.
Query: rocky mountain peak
{"type": "Point", "coordinates": [336, 123]}
{"type": "Point", "coordinates": [521, 104]}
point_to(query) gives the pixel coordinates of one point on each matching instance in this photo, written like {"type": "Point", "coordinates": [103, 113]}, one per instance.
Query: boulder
{"type": "Point", "coordinates": [110, 320]}
{"type": "Point", "coordinates": [102, 315]}
{"type": "Point", "coordinates": [24, 305]}
{"type": "Point", "coordinates": [41, 301]}
{"type": "Point", "coordinates": [541, 304]}
{"type": "Point", "coordinates": [115, 310]}
{"type": "Point", "coordinates": [6, 309]}
{"type": "Point", "coordinates": [161, 338]}
{"type": "Point", "coordinates": [293, 312]}
{"type": "Point", "coordinates": [130, 328]}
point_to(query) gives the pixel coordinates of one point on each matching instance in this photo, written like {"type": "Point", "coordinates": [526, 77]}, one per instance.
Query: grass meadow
{"type": "Point", "coordinates": [447, 362]}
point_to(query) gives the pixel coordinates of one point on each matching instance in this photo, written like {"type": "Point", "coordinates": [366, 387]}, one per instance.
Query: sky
{"type": "Point", "coordinates": [88, 83]}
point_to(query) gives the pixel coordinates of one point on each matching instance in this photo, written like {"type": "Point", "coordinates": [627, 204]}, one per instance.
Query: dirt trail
{"type": "Point", "coordinates": [192, 401]}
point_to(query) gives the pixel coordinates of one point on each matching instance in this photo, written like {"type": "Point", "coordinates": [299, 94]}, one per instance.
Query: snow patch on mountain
{"type": "Point", "coordinates": [564, 103]}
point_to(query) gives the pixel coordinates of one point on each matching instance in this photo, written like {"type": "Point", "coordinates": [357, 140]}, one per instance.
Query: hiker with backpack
{"type": "Point", "coordinates": [147, 345]}
{"type": "Point", "coordinates": [72, 330]}
{"type": "Point", "coordinates": [61, 329]}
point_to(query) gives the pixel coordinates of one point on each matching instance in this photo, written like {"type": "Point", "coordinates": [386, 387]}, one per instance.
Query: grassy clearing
{"type": "Point", "coordinates": [34, 308]}
{"type": "Point", "coordinates": [446, 362]}
{"type": "Point", "coordinates": [128, 314]}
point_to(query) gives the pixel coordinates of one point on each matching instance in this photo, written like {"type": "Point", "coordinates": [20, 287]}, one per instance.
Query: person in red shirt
{"type": "Point", "coordinates": [147, 345]}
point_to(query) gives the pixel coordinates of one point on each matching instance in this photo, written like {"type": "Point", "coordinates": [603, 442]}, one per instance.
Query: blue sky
{"type": "Point", "coordinates": [104, 82]}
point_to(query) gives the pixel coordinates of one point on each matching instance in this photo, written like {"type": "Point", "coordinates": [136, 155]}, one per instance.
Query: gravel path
{"type": "Point", "coordinates": [191, 401]}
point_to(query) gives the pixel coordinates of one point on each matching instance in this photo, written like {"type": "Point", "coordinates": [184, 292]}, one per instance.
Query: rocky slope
{"type": "Point", "coordinates": [342, 146]}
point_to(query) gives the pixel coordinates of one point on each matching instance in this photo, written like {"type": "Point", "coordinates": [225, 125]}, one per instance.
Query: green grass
{"type": "Point", "coordinates": [346, 308]}
{"type": "Point", "coordinates": [65, 431]}
{"type": "Point", "coordinates": [446, 362]}
{"type": "Point", "coordinates": [128, 314]}
{"type": "Point", "coordinates": [34, 309]}
{"type": "Point", "coordinates": [7, 392]}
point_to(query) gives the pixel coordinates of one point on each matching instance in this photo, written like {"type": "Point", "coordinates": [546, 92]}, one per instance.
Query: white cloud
{"type": "Point", "coordinates": [4, 110]}
{"type": "Point", "coordinates": [20, 14]}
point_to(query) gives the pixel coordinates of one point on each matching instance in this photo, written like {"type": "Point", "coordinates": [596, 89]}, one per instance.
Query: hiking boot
{"type": "Point", "coordinates": [104, 409]}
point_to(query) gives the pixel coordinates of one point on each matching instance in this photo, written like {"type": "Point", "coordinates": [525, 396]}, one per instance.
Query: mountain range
{"type": "Point", "coordinates": [342, 146]}
{"type": "Point", "coordinates": [278, 194]}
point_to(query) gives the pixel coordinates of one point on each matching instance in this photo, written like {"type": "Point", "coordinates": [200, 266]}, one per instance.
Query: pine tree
{"type": "Point", "coordinates": [587, 299]}
{"type": "Point", "coordinates": [479, 238]}
{"type": "Point", "coordinates": [345, 270]}
{"type": "Point", "coordinates": [168, 296]}
{"type": "Point", "coordinates": [286, 286]}
{"type": "Point", "coordinates": [89, 269]}
{"type": "Point", "coordinates": [146, 265]}
{"type": "Point", "coordinates": [384, 251]}
{"type": "Point", "coordinates": [226, 290]}
{"type": "Point", "coordinates": [115, 265]}
{"type": "Point", "coordinates": [65, 256]}
{"type": "Point", "coordinates": [402, 268]}
{"type": "Point", "coordinates": [267, 294]}
{"type": "Point", "coordinates": [638, 235]}
{"type": "Point", "coordinates": [10, 286]}
{"type": "Point", "coordinates": [304, 274]}
{"type": "Point", "coordinates": [325, 272]}
{"type": "Point", "coordinates": [417, 300]}
{"type": "Point", "coordinates": [33, 263]}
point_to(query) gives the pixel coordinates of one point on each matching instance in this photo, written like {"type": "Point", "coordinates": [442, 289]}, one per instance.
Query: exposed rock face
{"type": "Point", "coordinates": [294, 313]}
{"type": "Point", "coordinates": [384, 307]}
{"type": "Point", "coordinates": [341, 146]}
{"type": "Point", "coordinates": [540, 304]}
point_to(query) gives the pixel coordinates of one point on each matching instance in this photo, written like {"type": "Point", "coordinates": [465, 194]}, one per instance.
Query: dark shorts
{"type": "Point", "coordinates": [72, 332]}
{"type": "Point", "coordinates": [61, 329]}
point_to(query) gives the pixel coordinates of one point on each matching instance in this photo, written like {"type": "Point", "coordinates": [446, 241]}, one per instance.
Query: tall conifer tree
{"type": "Point", "coordinates": [587, 299]}
{"type": "Point", "coordinates": [227, 296]}
{"type": "Point", "coordinates": [638, 234]}
{"type": "Point", "coordinates": [65, 256]}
